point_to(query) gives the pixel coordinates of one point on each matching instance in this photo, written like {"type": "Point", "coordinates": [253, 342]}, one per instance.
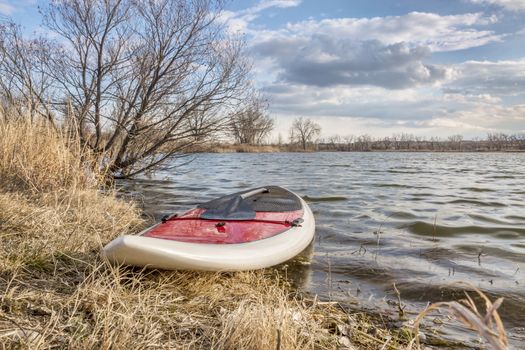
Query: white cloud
{"type": "Point", "coordinates": [481, 119]}
{"type": "Point", "coordinates": [389, 52]}
{"type": "Point", "coordinates": [473, 101]}
{"type": "Point", "coordinates": [360, 102]}
{"type": "Point", "coordinates": [322, 60]}
{"type": "Point", "coordinates": [502, 78]}
{"type": "Point", "coordinates": [512, 5]}
{"type": "Point", "coordinates": [383, 51]}
{"type": "Point", "coordinates": [235, 23]}
{"type": "Point", "coordinates": [265, 4]}
{"type": "Point", "coordinates": [238, 21]}
{"type": "Point", "coordinates": [419, 114]}
{"type": "Point", "coordinates": [6, 8]}
{"type": "Point", "coordinates": [439, 33]}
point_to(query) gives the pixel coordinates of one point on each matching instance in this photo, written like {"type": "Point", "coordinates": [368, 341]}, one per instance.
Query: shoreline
{"type": "Point", "coordinates": [287, 149]}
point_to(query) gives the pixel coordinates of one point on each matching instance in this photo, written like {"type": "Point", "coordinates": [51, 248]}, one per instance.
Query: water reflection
{"type": "Point", "coordinates": [421, 220]}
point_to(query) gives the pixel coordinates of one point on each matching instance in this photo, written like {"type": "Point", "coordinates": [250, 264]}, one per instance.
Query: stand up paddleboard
{"type": "Point", "coordinates": [247, 230]}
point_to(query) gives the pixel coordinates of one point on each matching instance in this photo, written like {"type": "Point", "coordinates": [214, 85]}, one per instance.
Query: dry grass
{"type": "Point", "coordinates": [84, 306]}
{"type": "Point", "coordinates": [489, 325]}
{"type": "Point", "coordinates": [56, 292]}
{"type": "Point", "coordinates": [36, 158]}
{"type": "Point", "coordinates": [50, 201]}
{"type": "Point", "coordinates": [122, 308]}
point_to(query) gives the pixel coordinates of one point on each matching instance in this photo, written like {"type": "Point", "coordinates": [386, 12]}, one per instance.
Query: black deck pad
{"type": "Point", "coordinates": [234, 207]}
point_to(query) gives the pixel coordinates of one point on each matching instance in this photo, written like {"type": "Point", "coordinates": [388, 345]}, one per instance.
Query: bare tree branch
{"type": "Point", "coordinates": [304, 132]}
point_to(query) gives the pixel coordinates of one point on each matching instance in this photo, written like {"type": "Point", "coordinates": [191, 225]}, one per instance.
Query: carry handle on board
{"type": "Point", "coordinates": [254, 192]}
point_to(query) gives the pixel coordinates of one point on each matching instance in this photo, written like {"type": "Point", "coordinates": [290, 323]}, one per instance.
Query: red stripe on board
{"type": "Point", "coordinates": [190, 228]}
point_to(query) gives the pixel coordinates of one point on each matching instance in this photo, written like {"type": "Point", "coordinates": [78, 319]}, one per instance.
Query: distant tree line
{"type": "Point", "coordinates": [410, 142]}
{"type": "Point", "coordinates": [304, 135]}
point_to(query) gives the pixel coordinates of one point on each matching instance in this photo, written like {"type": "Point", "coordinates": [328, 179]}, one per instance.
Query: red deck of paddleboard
{"type": "Point", "coordinates": [190, 228]}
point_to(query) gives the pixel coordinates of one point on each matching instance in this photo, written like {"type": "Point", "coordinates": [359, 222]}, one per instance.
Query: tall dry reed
{"type": "Point", "coordinates": [488, 325]}
{"type": "Point", "coordinates": [49, 197]}
{"type": "Point", "coordinates": [34, 157]}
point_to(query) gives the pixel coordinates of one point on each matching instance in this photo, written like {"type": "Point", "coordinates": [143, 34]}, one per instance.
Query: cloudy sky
{"type": "Point", "coordinates": [431, 68]}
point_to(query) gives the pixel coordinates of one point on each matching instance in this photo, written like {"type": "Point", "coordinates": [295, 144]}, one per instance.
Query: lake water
{"type": "Point", "coordinates": [419, 220]}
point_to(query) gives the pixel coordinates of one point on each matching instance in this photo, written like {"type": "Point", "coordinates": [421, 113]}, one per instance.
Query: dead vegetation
{"type": "Point", "coordinates": [36, 158]}
{"type": "Point", "coordinates": [488, 325]}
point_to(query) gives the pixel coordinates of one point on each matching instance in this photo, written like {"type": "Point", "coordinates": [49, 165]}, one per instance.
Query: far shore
{"type": "Point", "coordinates": [245, 148]}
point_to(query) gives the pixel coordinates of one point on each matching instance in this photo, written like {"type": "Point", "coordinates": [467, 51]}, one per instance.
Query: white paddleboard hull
{"type": "Point", "coordinates": [166, 254]}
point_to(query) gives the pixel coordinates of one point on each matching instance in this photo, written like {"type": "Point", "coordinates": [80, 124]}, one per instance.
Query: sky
{"type": "Point", "coordinates": [429, 68]}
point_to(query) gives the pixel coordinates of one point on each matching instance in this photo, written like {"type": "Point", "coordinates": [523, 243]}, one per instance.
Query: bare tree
{"type": "Point", "coordinates": [396, 141]}
{"type": "Point", "coordinates": [304, 132]}
{"type": "Point", "coordinates": [495, 141]}
{"type": "Point", "coordinates": [141, 81]}
{"type": "Point", "coordinates": [386, 141]}
{"type": "Point", "coordinates": [251, 125]}
{"type": "Point", "coordinates": [334, 142]}
{"type": "Point", "coordinates": [406, 140]}
{"type": "Point", "coordinates": [349, 141]}
{"type": "Point", "coordinates": [24, 84]}
{"type": "Point", "coordinates": [455, 142]}
{"type": "Point", "coordinates": [434, 143]}
{"type": "Point", "coordinates": [520, 141]}
{"type": "Point", "coordinates": [364, 142]}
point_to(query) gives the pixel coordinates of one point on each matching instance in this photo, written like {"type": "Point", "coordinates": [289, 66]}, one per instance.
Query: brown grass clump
{"type": "Point", "coordinates": [489, 325]}
{"type": "Point", "coordinates": [49, 197]}
{"type": "Point", "coordinates": [34, 157]}
{"type": "Point", "coordinates": [104, 307]}
{"type": "Point", "coordinates": [236, 148]}
{"type": "Point", "coordinates": [34, 229]}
